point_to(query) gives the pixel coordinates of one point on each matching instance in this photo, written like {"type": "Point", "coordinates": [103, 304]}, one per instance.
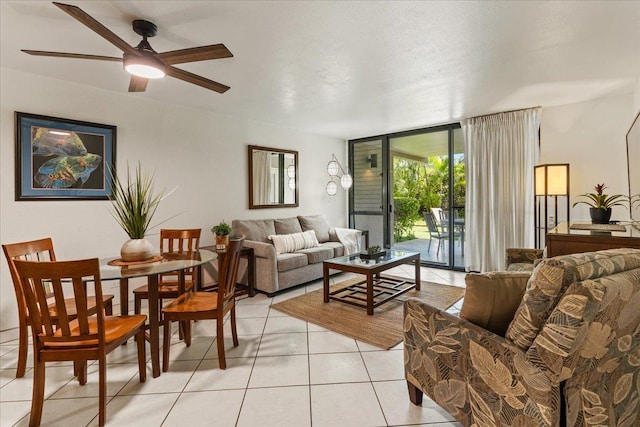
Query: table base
{"type": "Point", "coordinates": [384, 289]}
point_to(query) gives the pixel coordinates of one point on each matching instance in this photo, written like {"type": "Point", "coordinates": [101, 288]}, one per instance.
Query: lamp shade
{"type": "Point", "coordinates": [333, 168]}
{"type": "Point", "coordinates": [291, 171]}
{"type": "Point", "coordinates": [552, 180]}
{"type": "Point", "coordinates": [144, 65]}
{"type": "Point", "coordinates": [346, 181]}
{"type": "Point", "coordinates": [292, 183]}
{"type": "Point", "coordinates": [332, 188]}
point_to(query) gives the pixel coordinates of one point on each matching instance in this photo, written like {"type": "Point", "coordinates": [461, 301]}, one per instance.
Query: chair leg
{"type": "Point", "coordinates": [37, 396]}
{"type": "Point", "coordinates": [80, 370]}
{"type": "Point", "coordinates": [187, 332]}
{"type": "Point", "coordinates": [137, 306]}
{"type": "Point", "coordinates": [415, 394]}
{"type": "Point", "coordinates": [166, 343]}
{"type": "Point", "coordinates": [23, 348]}
{"type": "Point", "coordinates": [222, 361]}
{"type": "Point", "coordinates": [234, 331]}
{"type": "Point", "coordinates": [102, 389]}
{"type": "Point", "coordinates": [142, 357]}
{"type": "Point", "coordinates": [108, 308]}
{"type": "Point", "coordinates": [429, 248]}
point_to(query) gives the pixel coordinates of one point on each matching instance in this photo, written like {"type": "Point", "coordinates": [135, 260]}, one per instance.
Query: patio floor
{"type": "Point", "coordinates": [432, 255]}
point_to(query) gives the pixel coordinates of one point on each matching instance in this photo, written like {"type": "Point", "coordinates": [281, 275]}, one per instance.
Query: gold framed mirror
{"type": "Point", "coordinates": [273, 178]}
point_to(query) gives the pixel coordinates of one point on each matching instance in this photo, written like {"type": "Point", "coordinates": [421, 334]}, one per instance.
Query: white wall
{"type": "Point", "coordinates": [591, 137]}
{"type": "Point", "coordinates": [203, 153]}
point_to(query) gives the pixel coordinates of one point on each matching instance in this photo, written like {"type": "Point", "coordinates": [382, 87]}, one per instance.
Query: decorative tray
{"type": "Point", "coordinates": [375, 255]}
{"type": "Point", "coordinates": [120, 263]}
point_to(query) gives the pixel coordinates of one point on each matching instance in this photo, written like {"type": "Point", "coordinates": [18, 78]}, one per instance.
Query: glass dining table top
{"type": "Point", "coordinates": [170, 262]}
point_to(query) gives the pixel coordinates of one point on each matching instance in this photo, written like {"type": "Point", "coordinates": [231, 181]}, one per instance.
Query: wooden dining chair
{"type": "Point", "coordinates": [207, 305]}
{"type": "Point", "coordinates": [171, 241]}
{"type": "Point", "coordinates": [79, 338]}
{"type": "Point", "coordinates": [39, 250]}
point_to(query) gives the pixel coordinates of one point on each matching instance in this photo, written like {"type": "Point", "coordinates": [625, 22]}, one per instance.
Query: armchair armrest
{"type": "Point", "coordinates": [516, 255]}
{"type": "Point", "coordinates": [475, 375]}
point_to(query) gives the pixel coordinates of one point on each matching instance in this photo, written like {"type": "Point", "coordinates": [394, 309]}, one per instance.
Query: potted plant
{"type": "Point", "coordinates": [373, 252]}
{"type": "Point", "coordinates": [134, 204]}
{"type": "Point", "coordinates": [601, 204]}
{"type": "Point", "coordinates": [222, 231]}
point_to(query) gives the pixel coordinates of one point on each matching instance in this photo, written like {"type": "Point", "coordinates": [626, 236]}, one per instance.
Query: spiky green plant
{"type": "Point", "coordinates": [134, 202]}
{"type": "Point", "coordinates": [602, 201]}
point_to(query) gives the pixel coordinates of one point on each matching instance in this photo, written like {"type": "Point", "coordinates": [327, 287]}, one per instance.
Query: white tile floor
{"type": "Point", "coordinates": [286, 372]}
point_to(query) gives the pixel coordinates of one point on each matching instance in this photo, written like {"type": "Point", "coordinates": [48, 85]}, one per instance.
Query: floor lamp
{"type": "Point", "coordinates": [550, 182]}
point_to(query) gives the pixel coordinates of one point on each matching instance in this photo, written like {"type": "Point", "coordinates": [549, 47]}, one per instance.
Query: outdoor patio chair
{"type": "Point", "coordinates": [435, 231]}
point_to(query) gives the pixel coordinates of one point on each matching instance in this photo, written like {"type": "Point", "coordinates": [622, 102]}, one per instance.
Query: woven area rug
{"type": "Point", "coordinates": [383, 329]}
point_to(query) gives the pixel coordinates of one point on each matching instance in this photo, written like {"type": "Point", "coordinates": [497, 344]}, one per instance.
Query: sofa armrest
{"type": "Point", "coordinates": [518, 255]}
{"type": "Point", "coordinates": [468, 370]}
{"type": "Point", "coordinates": [333, 237]}
{"type": "Point", "coordinates": [261, 250]}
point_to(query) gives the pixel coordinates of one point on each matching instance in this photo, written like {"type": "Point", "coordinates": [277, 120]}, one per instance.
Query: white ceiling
{"type": "Point", "coordinates": [350, 69]}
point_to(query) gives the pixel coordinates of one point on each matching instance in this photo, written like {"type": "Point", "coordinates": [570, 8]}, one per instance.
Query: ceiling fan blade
{"type": "Point", "coordinates": [196, 80]}
{"type": "Point", "coordinates": [71, 55]}
{"type": "Point", "coordinates": [201, 53]}
{"type": "Point", "coordinates": [138, 84]}
{"type": "Point", "coordinates": [103, 31]}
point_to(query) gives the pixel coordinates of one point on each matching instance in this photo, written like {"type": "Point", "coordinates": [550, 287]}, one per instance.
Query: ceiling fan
{"type": "Point", "coordinates": [142, 62]}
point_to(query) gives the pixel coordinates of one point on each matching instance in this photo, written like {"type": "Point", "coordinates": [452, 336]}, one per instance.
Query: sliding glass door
{"type": "Point", "coordinates": [414, 198]}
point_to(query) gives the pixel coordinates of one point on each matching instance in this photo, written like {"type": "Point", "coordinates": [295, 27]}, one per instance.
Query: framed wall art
{"type": "Point", "coordinates": [60, 159]}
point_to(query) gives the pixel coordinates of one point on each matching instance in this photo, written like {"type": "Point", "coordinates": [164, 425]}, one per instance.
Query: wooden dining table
{"type": "Point", "coordinates": [162, 263]}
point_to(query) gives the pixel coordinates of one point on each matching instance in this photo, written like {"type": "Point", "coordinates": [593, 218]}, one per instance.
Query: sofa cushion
{"type": "Point", "coordinates": [254, 229]}
{"type": "Point", "coordinates": [286, 243]}
{"type": "Point", "coordinates": [318, 254]}
{"type": "Point", "coordinates": [550, 280]}
{"type": "Point", "coordinates": [287, 225]}
{"type": "Point", "coordinates": [338, 249]}
{"type": "Point", "coordinates": [491, 299]}
{"type": "Point", "coordinates": [291, 261]}
{"type": "Point", "coordinates": [317, 223]}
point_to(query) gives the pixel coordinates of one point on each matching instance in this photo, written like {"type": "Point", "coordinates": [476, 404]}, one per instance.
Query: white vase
{"type": "Point", "coordinates": [136, 250]}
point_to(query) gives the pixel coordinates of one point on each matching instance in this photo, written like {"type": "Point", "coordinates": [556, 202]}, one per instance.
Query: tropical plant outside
{"type": "Point", "coordinates": [134, 202]}
{"type": "Point", "coordinates": [422, 185]}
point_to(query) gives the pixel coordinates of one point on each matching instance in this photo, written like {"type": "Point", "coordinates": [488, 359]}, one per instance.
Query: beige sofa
{"type": "Point", "coordinates": [278, 271]}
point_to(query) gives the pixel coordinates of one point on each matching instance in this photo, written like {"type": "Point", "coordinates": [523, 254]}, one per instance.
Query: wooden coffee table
{"type": "Point", "coordinates": [375, 289]}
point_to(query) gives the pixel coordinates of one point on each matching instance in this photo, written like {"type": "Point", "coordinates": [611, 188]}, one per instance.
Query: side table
{"type": "Point", "coordinates": [241, 288]}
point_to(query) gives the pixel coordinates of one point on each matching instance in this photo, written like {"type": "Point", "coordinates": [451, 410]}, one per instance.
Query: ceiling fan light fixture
{"type": "Point", "coordinates": [146, 66]}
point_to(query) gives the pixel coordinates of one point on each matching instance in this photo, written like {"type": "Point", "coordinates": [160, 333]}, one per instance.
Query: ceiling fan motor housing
{"type": "Point", "coordinates": [145, 28]}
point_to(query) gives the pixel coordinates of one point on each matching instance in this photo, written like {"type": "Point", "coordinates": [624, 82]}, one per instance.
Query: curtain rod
{"type": "Point", "coordinates": [502, 112]}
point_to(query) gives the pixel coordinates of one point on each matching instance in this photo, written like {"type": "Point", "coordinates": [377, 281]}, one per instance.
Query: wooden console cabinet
{"type": "Point", "coordinates": [563, 240]}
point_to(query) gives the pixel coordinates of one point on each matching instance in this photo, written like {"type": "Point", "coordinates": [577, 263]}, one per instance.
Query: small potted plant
{"type": "Point", "coordinates": [601, 203]}
{"type": "Point", "coordinates": [373, 252]}
{"type": "Point", "coordinates": [222, 231]}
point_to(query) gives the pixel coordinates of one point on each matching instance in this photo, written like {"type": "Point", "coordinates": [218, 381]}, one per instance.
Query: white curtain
{"type": "Point", "coordinates": [261, 177]}
{"type": "Point", "coordinates": [501, 151]}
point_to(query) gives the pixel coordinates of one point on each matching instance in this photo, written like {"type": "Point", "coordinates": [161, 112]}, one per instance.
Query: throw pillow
{"type": "Point", "coordinates": [317, 223]}
{"type": "Point", "coordinates": [286, 243]}
{"type": "Point", "coordinates": [491, 299]}
{"type": "Point", "coordinates": [287, 225]}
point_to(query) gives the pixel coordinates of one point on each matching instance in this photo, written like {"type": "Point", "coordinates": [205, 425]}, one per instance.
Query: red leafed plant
{"type": "Point", "coordinates": [600, 200]}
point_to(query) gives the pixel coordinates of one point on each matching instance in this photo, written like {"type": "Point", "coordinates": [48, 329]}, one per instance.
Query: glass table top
{"type": "Point", "coordinates": [169, 262]}
{"type": "Point", "coordinates": [355, 260]}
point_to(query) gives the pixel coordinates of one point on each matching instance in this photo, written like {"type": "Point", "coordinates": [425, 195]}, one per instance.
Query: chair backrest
{"type": "Point", "coordinates": [179, 241]}
{"type": "Point", "coordinates": [432, 225]}
{"type": "Point", "coordinates": [68, 279]}
{"type": "Point", "coordinates": [34, 250]}
{"type": "Point", "coordinates": [438, 214]}
{"type": "Point", "coordinates": [229, 271]}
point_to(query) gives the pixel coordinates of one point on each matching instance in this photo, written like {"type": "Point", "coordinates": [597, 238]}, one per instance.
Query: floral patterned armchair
{"type": "Point", "coordinates": [523, 259]}
{"type": "Point", "coordinates": [571, 355]}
